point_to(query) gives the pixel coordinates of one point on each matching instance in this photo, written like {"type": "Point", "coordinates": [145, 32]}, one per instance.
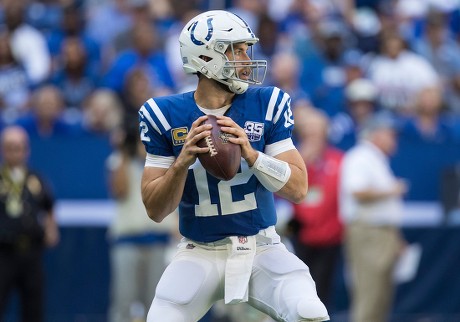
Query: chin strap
{"type": "Point", "coordinates": [237, 87]}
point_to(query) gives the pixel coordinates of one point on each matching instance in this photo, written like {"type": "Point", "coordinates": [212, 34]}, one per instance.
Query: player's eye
{"type": "Point", "coordinates": [241, 52]}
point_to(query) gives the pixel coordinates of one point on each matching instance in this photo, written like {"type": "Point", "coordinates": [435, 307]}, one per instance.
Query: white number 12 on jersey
{"type": "Point", "coordinates": [228, 206]}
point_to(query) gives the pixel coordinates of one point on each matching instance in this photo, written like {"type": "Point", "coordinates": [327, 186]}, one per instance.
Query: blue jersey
{"type": "Point", "coordinates": [211, 209]}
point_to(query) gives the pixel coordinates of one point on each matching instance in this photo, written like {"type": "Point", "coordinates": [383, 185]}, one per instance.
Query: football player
{"type": "Point", "coordinates": [230, 248]}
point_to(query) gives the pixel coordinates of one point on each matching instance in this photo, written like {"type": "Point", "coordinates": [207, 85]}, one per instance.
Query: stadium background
{"type": "Point", "coordinates": [72, 156]}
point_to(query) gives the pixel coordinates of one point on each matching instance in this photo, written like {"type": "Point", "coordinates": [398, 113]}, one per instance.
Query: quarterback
{"type": "Point", "coordinates": [230, 248]}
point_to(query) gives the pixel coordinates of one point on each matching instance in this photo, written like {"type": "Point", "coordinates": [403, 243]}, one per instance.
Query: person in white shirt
{"type": "Point", "coordinates": [399, 74]}
{"type": "Point", "coordinates": [28, 45]}
{"type": "Point", "coordinates": [371, 209]}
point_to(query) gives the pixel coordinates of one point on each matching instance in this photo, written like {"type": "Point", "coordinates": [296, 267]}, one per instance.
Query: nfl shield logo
{"type": "Point", "coordinates": [242, 239]}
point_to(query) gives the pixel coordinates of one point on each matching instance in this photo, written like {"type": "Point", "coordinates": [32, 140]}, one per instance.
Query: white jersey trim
{"type": "Point", "coordinates": [146, 114]}
{"type": "Point", "coordinates": [158, 161]}
{"type": "Point", "coordinates": [281, 107]}
{"type": "Point", "coordinates": [159, 114]}
{"type": "Point", "coordinates": [271, 104]}
{"type": "Point", "coordinates": [279, 147]}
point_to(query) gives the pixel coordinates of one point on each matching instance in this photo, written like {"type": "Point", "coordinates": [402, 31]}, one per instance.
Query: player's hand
{"type": "Point", "coordinates": [190, 149]}
{"type": "Point", "coordinates": [240, 137]}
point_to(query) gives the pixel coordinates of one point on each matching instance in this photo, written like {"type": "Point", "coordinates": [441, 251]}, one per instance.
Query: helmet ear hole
{"type": "Point", "coordinates": [205, 58]}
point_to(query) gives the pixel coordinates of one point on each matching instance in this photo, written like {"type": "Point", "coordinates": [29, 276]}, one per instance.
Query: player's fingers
{"type": "Point", "coordinates": [194, 131]}
{"type": "Point", "coordinates": [238, 132]}
{"type": "Point", "coordinates": [200, 129]}
{"type": "Point", "coordinates": [226, 121]}
{"type": "Point", "coordinates": [198, 122]}
{"type": "Point", "coordinates": [193, 138]}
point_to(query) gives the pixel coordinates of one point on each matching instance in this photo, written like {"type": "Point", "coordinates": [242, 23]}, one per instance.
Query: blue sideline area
{"type": "Point", "coordinates": [78, 278]}
{"type": "Point", "coordinates": [74, 165]}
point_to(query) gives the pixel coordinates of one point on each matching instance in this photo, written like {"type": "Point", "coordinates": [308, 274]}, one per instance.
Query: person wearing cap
{"type": "Point", "coordinates": [371, 210]}
{"type": "Point", "coordinates": [361, 96]}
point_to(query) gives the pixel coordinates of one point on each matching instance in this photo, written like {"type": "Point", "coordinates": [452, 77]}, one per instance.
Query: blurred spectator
{"type": "Point", "coordinates": [44, 15]}
{"type": "Point", "coordinates": [72, 24]}
{"type": "Point", "coordinates": [46, 116]}
{"type": "Point", "coordinates": [28, 44]}
{"type": "Point", "coordinates": [284, 72]}
{"type": "Point", "coordinates": [361, 97]}
{"type": "Point", "coordinates": [108, 20]}
{"type": "Point", "coordinates": [428, 137]}
{"type": "Point", "coordinates": [102, 113]}
{"type": "Point", "coordinates": [324, 65]}
{"type": "Point", "coordinates": [366, 27]}
{"type": "Point", "coordinates": [165, 12]}
{"type": "Point", "coordinates": [145, 54]}
{"type": "Point", "coordinates": [14, 86]}
{"type": "Point", "coordinates": [399, 74]}
{"type": "Point", "coordinates": [184, 82]}
{"type": "Point", "coordinates": [319, 230]}
{"type": "Point", "coordinates": [409, 16]}
{"type": "Point", "coordinates": [137, 244]}
{"type": "Point", "coordinates": [140, 12]}
{"type": "Point", "coordinates": [428, 122]}
{"type": "Point", "coordinates": [371, 209]}
{"type": "Point", "coordinates": [27, 225]}
{"type": "Point", "coordinates": [250, 11]}
{"type": "Point", "coordinates": [441, 49]}
{"type": "Point", "coordinates": [136, 91]}
{"type": "Point", "coordinates": [74, 76]}
{"type": "Point", "coordinates": [268, 37]}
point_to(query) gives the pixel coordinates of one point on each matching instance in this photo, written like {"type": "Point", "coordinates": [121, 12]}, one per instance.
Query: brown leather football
{"type": "Point", "coordinates": [224, 157]}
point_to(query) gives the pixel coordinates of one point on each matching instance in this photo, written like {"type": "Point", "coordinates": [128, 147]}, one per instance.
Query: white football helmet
{"type": "Point", "coordinates": [210, 34]}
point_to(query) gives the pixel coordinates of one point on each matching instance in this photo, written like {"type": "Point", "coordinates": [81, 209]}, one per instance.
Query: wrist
{"type": "Point", "coordinates": [272, 173]}
{"type": "Point", "coordinates": [180, 164]}
{"type": "Point", "coordinates": [251, 159]}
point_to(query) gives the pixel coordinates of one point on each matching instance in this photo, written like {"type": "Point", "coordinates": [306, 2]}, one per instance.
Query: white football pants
{"type": "Point", "coordinates": [280, 285]}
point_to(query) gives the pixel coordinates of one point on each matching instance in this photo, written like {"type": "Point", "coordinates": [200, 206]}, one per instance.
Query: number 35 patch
{"type": "Point", "coordinates": [254, 130]}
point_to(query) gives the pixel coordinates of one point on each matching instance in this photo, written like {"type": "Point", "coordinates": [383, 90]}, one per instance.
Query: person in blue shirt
{"type": "Point", "coordinates": [230, 248]}
{"type": "Point", "coordinates": [144, 54]}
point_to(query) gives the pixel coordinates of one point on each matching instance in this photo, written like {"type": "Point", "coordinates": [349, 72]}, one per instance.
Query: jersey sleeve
{"type": "Point", "coordinates": [280, 116]}
{"type": "Point", "coordinates": [153, 126]}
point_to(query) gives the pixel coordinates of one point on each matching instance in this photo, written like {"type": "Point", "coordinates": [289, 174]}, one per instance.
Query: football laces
{"type": "Point", "coordinates": [210, 144]}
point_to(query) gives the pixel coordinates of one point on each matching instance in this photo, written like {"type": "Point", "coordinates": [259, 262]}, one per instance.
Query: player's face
{"type": "Point", "coordinates": [239, 53]}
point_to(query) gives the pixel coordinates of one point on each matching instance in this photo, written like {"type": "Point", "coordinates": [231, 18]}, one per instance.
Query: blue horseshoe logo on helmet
{"type": "Point", "coordinates": [208, 36]}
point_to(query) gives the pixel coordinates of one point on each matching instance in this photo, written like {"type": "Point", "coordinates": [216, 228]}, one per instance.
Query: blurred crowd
{"type": "Point", "coordinates": [72, 66]}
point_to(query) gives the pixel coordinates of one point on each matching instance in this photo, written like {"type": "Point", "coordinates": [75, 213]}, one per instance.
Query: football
{"type": "Point", "coordinates": [224, 157]}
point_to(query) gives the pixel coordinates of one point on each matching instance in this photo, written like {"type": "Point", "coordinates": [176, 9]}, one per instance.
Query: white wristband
{"type": "Point", "coordinates": [272, 173]}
